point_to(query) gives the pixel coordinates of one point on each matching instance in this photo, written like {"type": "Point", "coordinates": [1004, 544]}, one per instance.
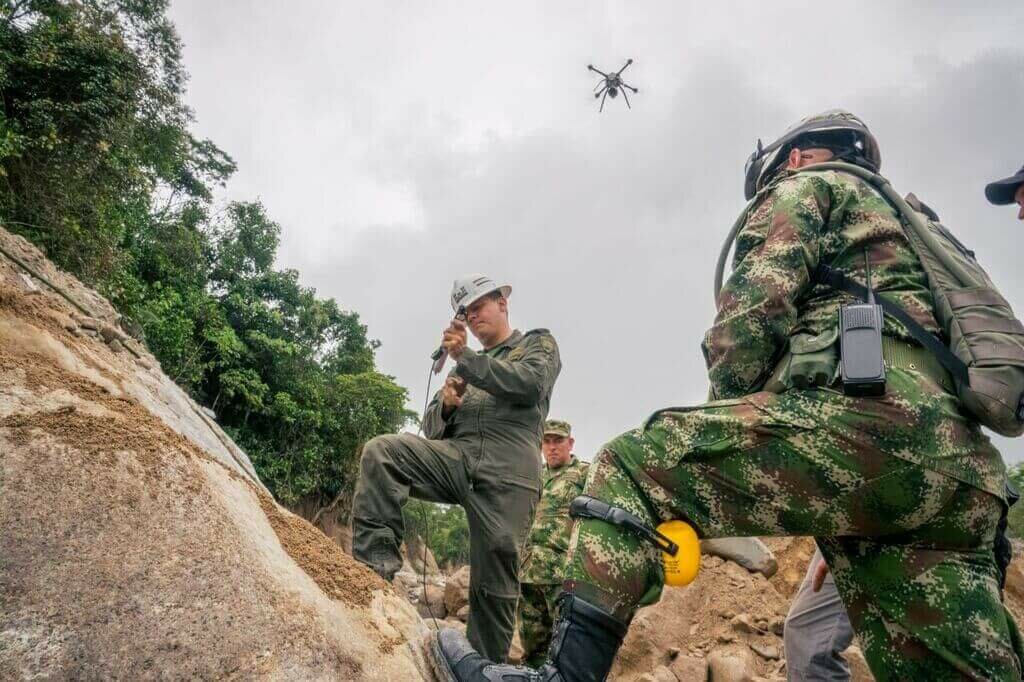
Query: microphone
{"type": "Point", "coordinates": [440, 355]}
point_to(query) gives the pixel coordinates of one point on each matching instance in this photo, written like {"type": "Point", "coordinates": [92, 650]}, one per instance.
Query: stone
{"type": "Point", "coordinates": [430, 604]}
{"type": "Point", "coordinates": [766, 651]}
{"type": "Point", "coordinates": [733, 663]}
{"type": "Point", "coordinates": [750, 553]}
{"type": "Point", "coordinates": [662, 674]}
{"type": "Point", "coordinates": [744, 623]}
{"type": "Point", "coordinates": [690, 669]}
{"type": "Point", "coordinates": [28, 283]}
{"type": "Point", "coordinates": [859, 670]}
{"type": "Point", "coordinates": [111, 333]}
{"type": "Point", "coordinates": [456, 591]}
{"type": "Point", "coordinates": [418, 553]}
{"type": "Point", "coordinates": [116, 346]}
{"type": "Point", "coordinates": [463, 614]}
{"type": "Point", "coordinates": [90, 323]}
{"type": "Point", "coordinates": [777, 625]}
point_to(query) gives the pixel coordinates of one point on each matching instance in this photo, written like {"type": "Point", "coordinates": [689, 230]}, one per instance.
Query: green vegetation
{"type": "Point", "coordinates": [448, 538]}
{"type": "Point", "coordinates": [98, 168]}
{"type": "Point", "coordinates": [1015, 519]}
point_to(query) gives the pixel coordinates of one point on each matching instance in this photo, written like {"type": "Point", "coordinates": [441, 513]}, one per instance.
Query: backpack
{"type": "Point", "coordinates": [984, 342]}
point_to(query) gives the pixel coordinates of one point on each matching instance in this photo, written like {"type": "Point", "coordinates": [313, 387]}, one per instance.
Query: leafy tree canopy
{"type": "Point", "coordinates": [98, 168]}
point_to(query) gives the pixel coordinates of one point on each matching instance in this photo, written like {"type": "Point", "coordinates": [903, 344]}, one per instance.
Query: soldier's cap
{"type": "Point", "coordinates": [557, 427]}
{"type": "Point", "coordinates": [1001, 192]}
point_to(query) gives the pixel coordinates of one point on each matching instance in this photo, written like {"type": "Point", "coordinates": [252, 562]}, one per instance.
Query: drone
{"type": "Point", "coordinates": [611, 84]}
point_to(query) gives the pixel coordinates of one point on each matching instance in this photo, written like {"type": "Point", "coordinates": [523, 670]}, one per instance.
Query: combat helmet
{"type": "Point", "coordinates": [836, 129]}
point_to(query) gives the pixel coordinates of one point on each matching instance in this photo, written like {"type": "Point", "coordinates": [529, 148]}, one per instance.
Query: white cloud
{"type": "Point", "coordinates": [400, 145]}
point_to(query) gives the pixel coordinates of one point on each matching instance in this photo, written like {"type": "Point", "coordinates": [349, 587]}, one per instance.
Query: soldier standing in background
{"type": "Point", "coordinates": [540, 579]}
{"type": "Point", "coordinates": [1007, 191]}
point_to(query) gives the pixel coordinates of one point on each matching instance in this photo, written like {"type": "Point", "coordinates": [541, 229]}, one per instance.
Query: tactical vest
{"type": "Point", "coordinates": [983, 347]}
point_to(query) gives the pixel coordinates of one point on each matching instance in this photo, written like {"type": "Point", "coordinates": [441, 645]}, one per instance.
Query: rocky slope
{"type": "Point", "coordinates": [135, 539]}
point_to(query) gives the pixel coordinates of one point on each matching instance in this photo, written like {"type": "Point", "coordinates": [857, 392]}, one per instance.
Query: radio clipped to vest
{"type": "Point", "coordinates": [861, 365]}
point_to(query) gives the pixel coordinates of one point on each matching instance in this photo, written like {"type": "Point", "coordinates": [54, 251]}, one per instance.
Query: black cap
{"type": "Point", "coordinates": [1002, 191]}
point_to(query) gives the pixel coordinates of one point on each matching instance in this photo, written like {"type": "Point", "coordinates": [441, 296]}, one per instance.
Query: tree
{"type": "Point", "coordinates": [98, 168]}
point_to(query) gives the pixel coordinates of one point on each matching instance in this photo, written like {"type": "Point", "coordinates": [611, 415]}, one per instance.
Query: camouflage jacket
{"type": "Point", "coordinates": [804, 219]}
{"type": "Point", "coordinates": [549, 537]}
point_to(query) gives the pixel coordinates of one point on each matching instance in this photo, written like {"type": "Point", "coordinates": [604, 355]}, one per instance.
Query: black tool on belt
{"type": "Point", "coordinates": [586, 507]}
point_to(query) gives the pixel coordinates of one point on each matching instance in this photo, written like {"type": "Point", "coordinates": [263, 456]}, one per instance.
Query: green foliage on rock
{"type": "Point", "coordinates": [99, 169]}
{"type": "Point", "coordinates": [1015, 519]}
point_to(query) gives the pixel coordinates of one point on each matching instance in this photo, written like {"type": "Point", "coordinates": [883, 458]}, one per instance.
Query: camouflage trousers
{"type": "Point", "coordinates": [536, 612]}
{"type": "Point", "coordinates": [910, 548]}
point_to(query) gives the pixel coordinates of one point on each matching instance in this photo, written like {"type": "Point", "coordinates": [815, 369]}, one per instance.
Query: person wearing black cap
{"type": "Point", "coordinates": [1007, 191]}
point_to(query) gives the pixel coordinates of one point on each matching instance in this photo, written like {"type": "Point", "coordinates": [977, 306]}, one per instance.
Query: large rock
{"type": "Point", "coordinates": [430, 603]}
{"type": "Point", "coordinates": [419, 554]}
{"type": "Point", "coordinates": [136, 540]}
{"type": "Point", "coordinates": [694, 621]}
{"type": "Point", "coordinates": [456, 590]}
{"type": "Point", "coordinates": [750, 553]}
{"type": "Point", "coordinates": [732, 663]}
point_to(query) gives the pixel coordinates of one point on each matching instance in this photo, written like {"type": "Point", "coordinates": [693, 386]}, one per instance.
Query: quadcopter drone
{"type": "Point", "coordinates": [611, 84]}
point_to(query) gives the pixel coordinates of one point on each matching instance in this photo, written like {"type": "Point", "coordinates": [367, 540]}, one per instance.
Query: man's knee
{"type": "Point", "coordinates": [376, 452]}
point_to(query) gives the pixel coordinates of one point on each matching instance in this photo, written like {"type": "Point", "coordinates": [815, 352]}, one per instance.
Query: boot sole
{"type": "Point", "coordinates": [438, 663]}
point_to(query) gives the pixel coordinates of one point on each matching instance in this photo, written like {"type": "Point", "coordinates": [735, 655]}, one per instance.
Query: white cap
{"type": "Point", "coordinates": [471, 288]}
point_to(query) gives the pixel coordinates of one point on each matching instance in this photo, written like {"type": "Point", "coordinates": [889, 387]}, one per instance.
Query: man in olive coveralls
{"type": "Point", "coordinates": [481, 451]}
{"type": "Point", "coordinates": [540, 580]}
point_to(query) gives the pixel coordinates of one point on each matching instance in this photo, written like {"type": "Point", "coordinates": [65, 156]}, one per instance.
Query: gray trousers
{"type": "Point", "coordinates": [817, 631]}
{"type": "Point", "coordinates": [499, 509]}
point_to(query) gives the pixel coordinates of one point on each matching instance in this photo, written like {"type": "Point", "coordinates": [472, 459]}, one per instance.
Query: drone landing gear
{"type": "Point", "coordinates": [611, 84]}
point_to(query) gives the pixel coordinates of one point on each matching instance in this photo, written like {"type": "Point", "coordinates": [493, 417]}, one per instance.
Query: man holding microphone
{"type": "Point", "coordinates": [481, 450]}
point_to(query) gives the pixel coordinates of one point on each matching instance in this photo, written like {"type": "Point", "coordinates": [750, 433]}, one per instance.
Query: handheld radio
{"type": "Point", "coordinates": [862, 367]}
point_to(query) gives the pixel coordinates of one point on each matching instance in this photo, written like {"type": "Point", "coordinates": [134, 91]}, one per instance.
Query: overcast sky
{"type": "Point", "coordinates": [402, 144]}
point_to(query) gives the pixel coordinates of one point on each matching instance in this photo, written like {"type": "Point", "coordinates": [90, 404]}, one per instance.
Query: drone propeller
{"type": "Point", "coordinates": [591, 67]}
{"type": "Point", "coordinates": [626, 66]}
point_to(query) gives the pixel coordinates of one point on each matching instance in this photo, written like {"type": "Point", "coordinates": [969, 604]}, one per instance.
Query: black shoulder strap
{"type": "Point", "coordinates": [837, 279]}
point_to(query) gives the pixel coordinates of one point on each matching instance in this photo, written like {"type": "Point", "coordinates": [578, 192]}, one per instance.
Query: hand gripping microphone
{"type": "Point", "coordinates": [440, 355]}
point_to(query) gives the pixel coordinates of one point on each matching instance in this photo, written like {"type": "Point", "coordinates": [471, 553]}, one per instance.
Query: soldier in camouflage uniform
{"type": "Point", "coordinates": [903, 492]}
{"type": "Point", "coordinates": [540, 579]}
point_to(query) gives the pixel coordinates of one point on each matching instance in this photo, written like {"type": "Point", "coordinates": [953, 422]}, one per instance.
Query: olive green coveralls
{"type": "Point", "coordinates": [486, 457]}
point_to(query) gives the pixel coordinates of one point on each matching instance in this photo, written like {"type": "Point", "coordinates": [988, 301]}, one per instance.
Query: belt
{"type": "Point", "coordinates": [903, 355]}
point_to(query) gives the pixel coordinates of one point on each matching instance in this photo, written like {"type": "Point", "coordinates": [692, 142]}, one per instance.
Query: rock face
{"type": "Point", "coordinates": [136, 540]}
{"type": "Point", "coordinates": [726, 625]}
{"type": "Point", "coordinates": [750, 553]}
{"type": "Point", "coordinates": [456, 591]}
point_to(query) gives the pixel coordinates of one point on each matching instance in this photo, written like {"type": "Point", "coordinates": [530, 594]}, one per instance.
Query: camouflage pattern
{"type": "Point", "coordinates": [549, 536]}
{"type": "Point", "coordinates": [537, 613]}
{"type": "Point", "coordinates": [557, 427]}
{"type": "Point", "coordinates": [902, 492]}
{"type": "Point", "coordinates": [807, 219]}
